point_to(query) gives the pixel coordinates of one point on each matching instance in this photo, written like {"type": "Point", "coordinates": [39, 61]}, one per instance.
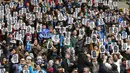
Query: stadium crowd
{"type": "Point", "coordinates": [64, 36]}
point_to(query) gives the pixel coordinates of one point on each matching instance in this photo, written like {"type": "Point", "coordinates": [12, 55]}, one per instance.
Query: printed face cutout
{"type": "Point", "coordinates": [23, 26]}
{"type": "Point", "coordinates": [115, 30]}
{"type": "Point", "coordinates": [115, 49]}
{"type": "Point", "coordinates": [84, 21]}
{"type": "Point", "coordinates": [39, 15]}
{"type": "Point", "coordinates": [92, 25]}
{"type": "Point", "coordinates": [123, 24]}
{"type": "Point", "coordinates": [35, 9]}
{"type": "Point", "coordinates": [15, 14]}
{"type": "Point", "coordinates": [39, 27]}
{"type": "Point", "coordinates": [9, 28]}
{"type": "Point", "coordinates": [28, 29]}
{"type": "Point", "coordinates": [26, 71]}
{"type": "Point", "coordinates": [62, 29]}
{"type": "Point", "coordinates": [114, 44]}
{"type": "Point", "coordinates": [6, 6]}
{"type": "Point", "coordinates": [2, 70]}
{"type": "Point", "coordinates": [20, 4]}
{"type": "Point", "coordinates": [115, 19]}
{"type": "Point", "coordinates": [11, 4]}
{"type": "Point", "coordinates": [32, 30]}
{"type": "Point", "coordinates": [94, 32]}
{"type": "Point", "coordinates": [44, 9]}
{"type": "Point", "coordinates": [82, 31]}
{"type": "Point", "coordinates": [66, 41]}
{"type": "Point", "coordinates": [0, 26]}
{"type": "Point", "coordinates": [110, 30]}
{"type": "Point", "coordinates": [9, 21]}
{"type": "Point", "coordinates": [68, 34]}
{"type": "Point", "coordinates": [52, 4]}
{"type": "Point", "coordinates": [88, 40]}
{"type": "Point", "coordinates": [128, 37]}
{"type": "Point", "coordinates": [16, 26]}
{"type": "Point", "coordinates": [93, 54]}
{"type": "Point", "coordinates": [33, 17]}
{"type": "Point", "coordinates": [28, 15]}
{"type": "Point", "coordinates": [49, 45]}
{"type": "Point", "coordinates": [101, 41]}
{"type": "Point", "coordinates": [124, 35]}
{"type": "Point", "coordinates": [24, 10]}
{"type": "Point", "coordinates": [115, 4]}
{"type": "Point", "coordinates": [128, 63]}
{"type": "Point", "coordinates": [3, 31]}
{"type": "Point", "coordinates": [118, 37]}
{"type": "Point", "coordinates": [55, 38]}
{"type": "Point", "coordinates": [126, 10]}
{"type": "Point", "coordinates": [1, 52]}
{"type": "Point", "coordinates": [94, 38]}
{"type": "Point", "coordinates": [20, 12]}
{"type": "Point", "coordinates": [102, 49]}
{"type": "Point", "coordinates": [124, 46]}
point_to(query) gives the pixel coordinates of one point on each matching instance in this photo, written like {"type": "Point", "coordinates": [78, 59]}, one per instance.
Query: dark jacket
{"type": "Point", "coordinates": [83, 62]}
{"type": "Point", "coordinates": [68, 68]}
{"type": "Point", "coordinates": [123, 69]}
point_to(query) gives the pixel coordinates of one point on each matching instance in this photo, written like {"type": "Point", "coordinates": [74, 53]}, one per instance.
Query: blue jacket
{"type": "Point", "coordinates": [30, 69]}
{"type": "Point", "coordinates": [38, 71]}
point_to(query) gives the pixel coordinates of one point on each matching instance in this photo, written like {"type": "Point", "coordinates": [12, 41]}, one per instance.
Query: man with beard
{"type": "Point", "coordinates": [117, 60]}
{"type": "Point", "coordinates": [123, 66]}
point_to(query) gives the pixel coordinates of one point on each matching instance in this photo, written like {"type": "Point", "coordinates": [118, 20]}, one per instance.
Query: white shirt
{"type": "Point", "coordinates": [118, 63]}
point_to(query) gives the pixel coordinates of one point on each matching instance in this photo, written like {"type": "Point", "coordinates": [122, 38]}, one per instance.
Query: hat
{"type": "Point", "coordinates": [22, 59]}
{"type": "Point", "coordinates": [39, 57]}
{"type": "Point", "coordinates": [108, 65]}
{"type": "Point", "coordinates": [28, 58]}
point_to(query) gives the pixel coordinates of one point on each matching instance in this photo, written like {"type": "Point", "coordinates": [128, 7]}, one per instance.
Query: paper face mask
{"type": "Point", "coordinates": [118, 37]}
{"type": "Point", "coordinates": [66, 41]}
{"type": "Point", "coordinates": [28, 29]}
{"type": "Point", "coordinates": [115, 49]}
{"type": "Point", "coordinates": [124, 35]}
{"type": "Point", "coordinates": [9, 27]}
{"type": "Point", "coordinates": [102, 47]}
{"type": "Point", "coordinates": [124, 46]}
{"type": "Point", "coordinates": [93, 54]}
{"type": "Point", "coordinates": [88, 40]}
{"type": "Point", "coordinates": [128, 63]}
{"type": "Point", "coordinates": [94, 38]}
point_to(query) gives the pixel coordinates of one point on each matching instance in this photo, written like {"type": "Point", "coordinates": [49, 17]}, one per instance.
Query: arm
{"type": "Point", "coordinates": [30, 69]}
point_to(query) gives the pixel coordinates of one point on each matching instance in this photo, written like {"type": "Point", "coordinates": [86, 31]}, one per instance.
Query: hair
{"type": "Point", "coordinates": [116, 55]}
{"type": "Point", "coordinates": [123, 59]}
{"type": "Point", "coordinates": [88, 69]}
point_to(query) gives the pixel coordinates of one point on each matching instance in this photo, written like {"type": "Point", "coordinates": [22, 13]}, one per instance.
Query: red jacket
{"type": "Point", "coordinates": [128, 71]}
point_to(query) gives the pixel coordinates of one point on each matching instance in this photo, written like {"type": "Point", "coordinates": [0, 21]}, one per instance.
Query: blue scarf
{"type": "Point", "coordinates": [28, 47]}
